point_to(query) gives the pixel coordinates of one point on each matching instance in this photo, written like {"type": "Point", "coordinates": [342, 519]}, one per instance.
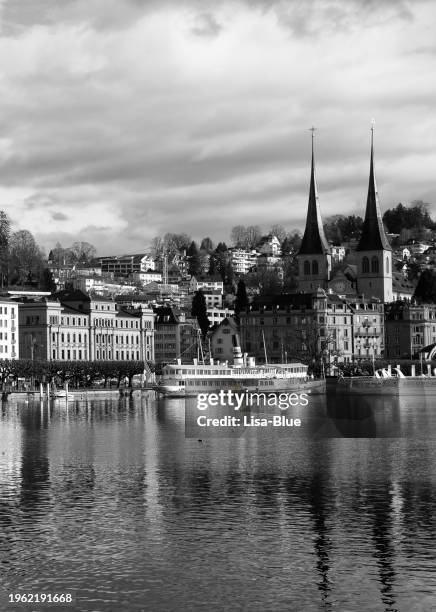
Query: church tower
{"type": "Point", "coordinates": [314, 256]}
{"type": "Point", "coordinates": [374, 253]}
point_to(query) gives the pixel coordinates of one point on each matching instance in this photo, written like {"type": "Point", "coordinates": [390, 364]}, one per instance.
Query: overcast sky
{"type": "Point", "coordinates": [121, 120]}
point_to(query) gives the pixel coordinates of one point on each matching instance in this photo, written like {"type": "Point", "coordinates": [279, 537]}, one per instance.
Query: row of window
{"type": "Point", "coordinates": [374, 265]}
{"type": "Point", "coordinates": [69, 337]}
{"type": "Point", "coordinates": [73, 354]}
{"type": "Point", "coordinates": [122, 339]}
{"type": "Point", "coordinates": [54, 320]}
{"type": "Point", "coordinates": [73, 337]}
{"type": "Point", "coordinates": [310, 269]}
{"type": "Point", "coordinates": [4, 310]}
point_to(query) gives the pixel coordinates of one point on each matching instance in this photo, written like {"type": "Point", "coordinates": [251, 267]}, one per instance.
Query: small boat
{"type": "Point", "coordinates": [63, 394]}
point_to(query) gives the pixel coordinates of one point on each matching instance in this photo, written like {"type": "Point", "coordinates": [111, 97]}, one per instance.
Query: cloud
{"type": "Point", "coordinates": [59, 216]}
{"type": "Point", "coordinates": [136, 118]}
{"type": "Point", "coordinates": [206, 24]}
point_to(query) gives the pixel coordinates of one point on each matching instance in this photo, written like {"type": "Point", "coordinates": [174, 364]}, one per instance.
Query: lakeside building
{"type": "Point", "coordinates": [242, 261]}
{"type": "Point", "coordinates": [149, 276]}
{"type": "Point", "coordinates": [303, 326]}
{"type": "Point", "coordinates": [9, 330]}
{"type": "Point", "coordinates": [70, 325]}
{"type": "Point", "coordinates": [176, 336]}
{"type": "Point", "coordinates": [221, 340]}
{"type": "Point", "coordinates": [206, 283]}
{"type": "Point", "coordinates": [124, 265]}
{"type": "Point", "coordinates": [409, 328]}
{"type": "Point", "coordinates": [338, 252]}
{"type": "Point", "coordinates": [213, 299]}
{"type": "Point", "coordinates": [217, 315]}
{"type": "Point", "coordinates": [269, 245]}
{"type": "Point", "coordinates": [100, 286]}
{"type": "Point", "coordinates": [169, 294]}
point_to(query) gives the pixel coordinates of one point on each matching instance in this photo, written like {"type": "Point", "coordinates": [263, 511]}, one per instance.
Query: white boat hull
{"type": "Point", "coordinates": [271, 386]}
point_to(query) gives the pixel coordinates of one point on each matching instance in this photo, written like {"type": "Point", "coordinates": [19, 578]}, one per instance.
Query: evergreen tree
{"type": "Point", "coordinates": [47, 282]}
{"type": "Point", "coordinates": [241, 301]}
{"type": "Point", "coordinates": [199, 310]}
{"type": "Point", "coordinates": [194, 268]}
{"type": "Point", "coordinates": [211, 270]}
{"type": "Point", "coordinates": [408, 217]}
{"type": "Point", "coordinates": [426, 288]}
{"type": "Point", "coordinates": [221, 247]}
{"type": "Point", "coordinates": [291, 243]}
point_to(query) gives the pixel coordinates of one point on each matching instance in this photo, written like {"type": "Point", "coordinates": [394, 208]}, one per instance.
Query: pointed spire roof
{"type": "Point", "coordinates": [314, 241]}
{"type": "Point", "coordinates": [373, 236]}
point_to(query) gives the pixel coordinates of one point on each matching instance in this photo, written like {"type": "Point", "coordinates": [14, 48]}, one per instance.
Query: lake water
{"type": "Point", "coordinates": [109, 500]}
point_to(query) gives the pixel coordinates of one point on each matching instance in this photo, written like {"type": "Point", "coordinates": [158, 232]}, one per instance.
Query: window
{"type": "Point", "coordinates": [314, 267]}
{"type": "Point", "coordinates": [307, 268]}
{"type": "Point", "coordinates": [374, 264]}
{"type": "Point", "coordinates": [387, 265]}
{"type": "Point", "coordinates": [365, 265]}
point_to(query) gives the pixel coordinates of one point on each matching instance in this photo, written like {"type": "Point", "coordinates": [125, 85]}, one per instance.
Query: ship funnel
{"type": "Point", "coordinates": [238, 360]}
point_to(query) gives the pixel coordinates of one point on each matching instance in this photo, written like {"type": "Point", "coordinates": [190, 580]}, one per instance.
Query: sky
{"type": "Point", "coordinates": [121, 120]}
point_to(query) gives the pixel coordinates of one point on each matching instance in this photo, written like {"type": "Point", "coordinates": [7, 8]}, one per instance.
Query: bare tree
{"type": "Point", "coordinates": [245, 237]}
{"type": "Point", "coordinates": [25, 256]}
{"type": "Point", "coordinates": [82, 252]}
{"type": "Point", "coordinates": [157, 248]}
{"type": "Point", "coordinates": [278, 231]}
{"type": "Point", "coordinates": [206, 245]}
{"type": "Point", "coordinates": [312, 341]}
{"type": "Point", "coordinates": [237, 235]}
{"type": "Point", "coordinates": [254, 234]}
{"type": "Point", "coordinates": [174, 243]}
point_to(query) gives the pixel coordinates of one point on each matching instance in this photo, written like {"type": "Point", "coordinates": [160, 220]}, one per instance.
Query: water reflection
{"type": "Point", "coordinates": [109, 498]}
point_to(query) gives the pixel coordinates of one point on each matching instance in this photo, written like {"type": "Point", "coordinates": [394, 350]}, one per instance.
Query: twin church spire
{"type": "Point", "coordinates": [374, 253]}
